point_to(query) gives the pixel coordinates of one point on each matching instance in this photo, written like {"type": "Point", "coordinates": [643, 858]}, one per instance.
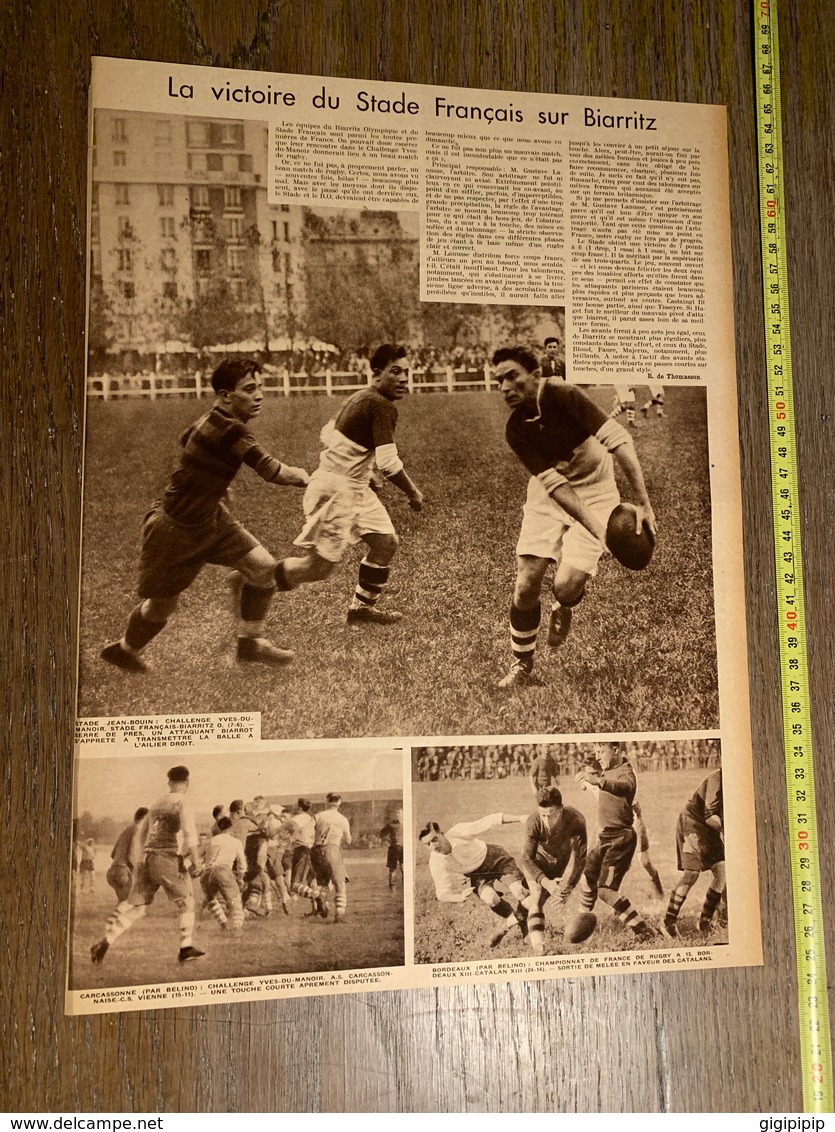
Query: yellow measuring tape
{"type": "Point", "coordinates": [815, 1051]}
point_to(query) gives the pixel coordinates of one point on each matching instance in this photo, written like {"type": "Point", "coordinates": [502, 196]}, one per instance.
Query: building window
{"type": "Point", "coordinates": [227, 134]}
{"type": "Point", "coordinates": [196, 162]}
{"type": "Point", "coordinates": [94, 228]}
{"type": "Point", "coordinates": [234, 228]}
{"type": "Point", "coordinates": [285, 208]}
{"type": "Point", "coordinates": [197, 133]}
{"type": "Point", "coordinates": [162, 159]}
{"type": "Point", "coordinates": [125, 259]}
{"type": "Point", "coordinates": [162, 131]}
{"type": "Point", "coordinates": [214, 162]}
{"type": "Point", "coordinates": [95, 262]}
{"type": "Point", "coordinates": [120, 130]}
{"type": "Point", "coordinates": [166, 227]}
{"type": "Point", "coordinates": [276, 260]}
{"type": "Point", "coordinates": [165, 195]}
{"type": "Point", "coordinates": [168, 259]}
{"type": "Point", "coordinates": [238, 288]}
{"type": "Point", "coordinates": [203, 261]}
{"type": "Point", "coordinates": [232, 198]}
{"type": "Point", "coordinates": [244, 162]}
{"type": "Point", "coordinates": [94, 201]}
{"type": "Point", "coordinates": [200, 198]}
{"type": "Point", "coordinates": [286, 265]}
{"type": "Point", "coordinates": [125, 230]}
{"type": "Point", "coordinates": [123, 194]}
{"type": "Point", "coordinates": [120, 158]}
{"type": "Point", "coordinates": [286, 232]}
{"type": "Point", "coordinates": [235, 260]}
{"type": "Point", "coordinates": [169, 290]}
{"type": "Point", "coordinates": [127, 288]}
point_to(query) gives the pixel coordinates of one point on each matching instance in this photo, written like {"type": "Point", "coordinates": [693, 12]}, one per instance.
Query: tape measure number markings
{"type": "Point", "coordinates": [816, 1058]}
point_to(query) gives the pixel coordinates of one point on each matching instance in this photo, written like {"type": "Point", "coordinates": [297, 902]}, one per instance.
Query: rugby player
{"type": "Point", "coordinates": [332, 831]}
{"type": "Point", "coordinates": [623, 401]}
{"type": "Point", "coordinates": [461, 863]}
{"type": "Point", "coordinates": [544, 772]}
{"type": "Point", "coordinates": [191, 524]}
{"type": "Point", "coordinates": [608, 862]}
{"type": "Point", "coordinates": [553, 858]}
{"type": "Point", "coordinates": [700, 845]}
{"type": "Point", "coordinates": [340, 505]}
{"type": "Point", "coordinates": [392, 832]}
{"type": "Point", "coordinates": [224, 863]}
{"type": "Point", "coordinates": [656, 398]}
{"type": "Point", "coordinates": [123, 863]}
{"type": "Point", "coordinates": [567, 445]}
{"type": "Point", "coordinates": [302, 882]}
{"type": "Point", "coordinates": [168, 838]}
{"type": "Point", "coordinates": [552, 365]}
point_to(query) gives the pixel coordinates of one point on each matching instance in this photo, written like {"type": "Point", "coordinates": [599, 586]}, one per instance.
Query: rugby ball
{"type": "Point", "coordinates": [580, 927]}
{"type": "Point", "coordinates": [634, 551]}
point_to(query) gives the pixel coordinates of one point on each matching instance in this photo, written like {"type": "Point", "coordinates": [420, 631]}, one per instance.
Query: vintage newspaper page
{"type": "Point", "coordinates": [412, 634]}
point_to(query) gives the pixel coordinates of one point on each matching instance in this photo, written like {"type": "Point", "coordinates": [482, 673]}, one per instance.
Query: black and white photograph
{"type": "Point", "coordinates": [536, 849]}
{"type": "Point", "coordinates": [437, 532]}
{"type": "Point", "coordinates": [188, 868]}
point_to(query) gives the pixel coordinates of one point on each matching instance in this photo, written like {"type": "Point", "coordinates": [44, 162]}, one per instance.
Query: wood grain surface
{"type": "Point", "coordinates": [690, 1041]}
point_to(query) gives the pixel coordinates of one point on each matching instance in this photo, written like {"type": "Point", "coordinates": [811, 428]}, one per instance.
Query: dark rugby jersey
{"type": "Point", "coordinates": [552, 367]}
{"type": "Point", "coordinates": [368, 418]}
{"type": "Point", "coordinates": [544, 768]}
{"type": "Point", "coordinates": [565, 420]}
{"type": "Point", "coordinates": [553, 845]}
{"type": "Point", "coordinates": [122, 851]}
{"type": "Point", "coordinates": [707, 801]}
{"type": "Point", "coordinates": [617, 791]}
{"type": "Point", "coordinates": [213, 450]}
{"type": "Point", "coordinates": [393, 831]}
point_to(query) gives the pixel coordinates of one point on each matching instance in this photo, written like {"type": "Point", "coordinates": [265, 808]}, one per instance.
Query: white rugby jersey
{"type": "Point", "coordinates": [449, 870]}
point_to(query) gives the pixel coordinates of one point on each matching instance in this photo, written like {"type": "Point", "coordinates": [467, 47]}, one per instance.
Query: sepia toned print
{"type": "Point", "coordinates": [607, 829]}
{"type": "Point", "coordinates": [240, 866]}
{"type": "Point", "coordinates": [411, 523]}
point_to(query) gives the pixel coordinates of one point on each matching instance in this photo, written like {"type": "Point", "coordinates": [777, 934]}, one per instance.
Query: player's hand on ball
{"type": "Point", "coordinates": [563, 894]}
{"type": "Point", "coordinates": [645, 514]}
{"type": "Point", "coordinates": [416, 502]}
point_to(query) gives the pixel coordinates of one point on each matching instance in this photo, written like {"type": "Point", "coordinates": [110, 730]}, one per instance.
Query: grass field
{"type": "Point", "coordinates": [641, 655]}
{"type": "Point", "coordinates": [371, 936]}
{"type": "Point", "coordinates": [446, 933]}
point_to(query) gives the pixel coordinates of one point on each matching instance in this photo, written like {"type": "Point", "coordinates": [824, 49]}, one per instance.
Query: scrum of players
{"type": "Point", "coordinates": [258, 856]}
{"type": "Point", "coordinates": [568, 445]}
{"type": "Point", "coordinates": [561, 858]}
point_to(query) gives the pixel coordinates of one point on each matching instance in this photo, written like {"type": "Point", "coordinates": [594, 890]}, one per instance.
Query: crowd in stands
{"type": "Point", "coordinates": [431, 764]}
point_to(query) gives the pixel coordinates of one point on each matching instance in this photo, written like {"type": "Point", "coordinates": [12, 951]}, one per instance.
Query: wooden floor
{"type": "Point", "coordinates": [664, 1042]}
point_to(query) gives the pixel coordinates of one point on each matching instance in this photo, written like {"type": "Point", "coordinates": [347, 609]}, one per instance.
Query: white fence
{"type": "Point", "coordinates": [154, 386]}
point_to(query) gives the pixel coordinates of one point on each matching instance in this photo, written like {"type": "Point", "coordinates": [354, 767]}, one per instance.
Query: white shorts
{"type": "Point", "coordinates": [547, 529]}
{"type": "Point", "coordinates": [339, 513]}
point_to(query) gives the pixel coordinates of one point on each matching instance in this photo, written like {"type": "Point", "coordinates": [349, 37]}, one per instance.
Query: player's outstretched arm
{"type": "Point", "coordinates": [410, 489]}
